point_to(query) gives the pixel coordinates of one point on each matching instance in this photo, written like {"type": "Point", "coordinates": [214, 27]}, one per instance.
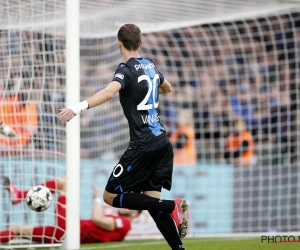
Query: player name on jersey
{"type": "Point", "coordinates": [150, 118]}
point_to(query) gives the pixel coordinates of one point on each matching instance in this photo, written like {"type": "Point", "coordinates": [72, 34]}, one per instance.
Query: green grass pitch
{"type": "Point", "coordinates": [194, 244]}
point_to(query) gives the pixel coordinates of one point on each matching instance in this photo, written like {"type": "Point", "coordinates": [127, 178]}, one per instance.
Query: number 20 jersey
{"type": "Point", "coordinates": [139, 96]}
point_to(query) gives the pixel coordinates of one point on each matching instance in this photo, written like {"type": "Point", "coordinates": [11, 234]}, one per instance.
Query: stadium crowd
{"type": "Point", "coordinates": [245, 69]}
{"type": "Point", "coordinates": [220, 71]}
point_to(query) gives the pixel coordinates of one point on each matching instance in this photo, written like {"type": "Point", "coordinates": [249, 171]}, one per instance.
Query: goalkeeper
{"type": "Point", "coordinates": [101, 228]}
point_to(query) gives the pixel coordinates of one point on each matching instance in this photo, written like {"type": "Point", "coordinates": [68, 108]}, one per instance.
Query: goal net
{"type": "Point", "coordinates": [232, 117]}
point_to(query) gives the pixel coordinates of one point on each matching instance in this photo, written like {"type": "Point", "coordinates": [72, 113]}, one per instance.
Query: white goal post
{"type": "Point", "coordinates": [225, 59]}
{"type": "Point", "coordinates": [73, 128]}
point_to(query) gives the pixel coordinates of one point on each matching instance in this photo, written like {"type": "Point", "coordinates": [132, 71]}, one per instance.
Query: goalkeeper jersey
{"type": "Point", "coordinates": [90, 233]}
{"type": "Point", "coordinates": [140, 80]}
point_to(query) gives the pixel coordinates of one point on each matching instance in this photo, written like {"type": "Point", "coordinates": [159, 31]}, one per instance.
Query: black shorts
{"type": "Point", "coordinates": [139, 171]}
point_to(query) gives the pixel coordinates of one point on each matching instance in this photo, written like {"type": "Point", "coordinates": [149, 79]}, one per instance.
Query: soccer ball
{"type": "Point", "coordinates": [39, 198]}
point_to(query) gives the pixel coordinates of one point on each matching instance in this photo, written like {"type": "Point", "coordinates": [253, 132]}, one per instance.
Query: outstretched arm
{"type": "Point", "coordinates": [26, 231]}
{"type": "Point", "coordinates": [102, 96]}
{"type": "Point", "coordinates": [99, 219]}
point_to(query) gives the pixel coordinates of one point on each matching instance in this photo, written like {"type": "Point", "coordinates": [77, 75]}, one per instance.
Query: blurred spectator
{"type": "Point", "coordinates": [168, 102]}
{"type": "Point", "coordinates": [53, 100]}
{"type": "Point", "coordinates": [239, 146]}
{"type": "Point", "coordinates": [183, 139]}
{"type": "Point", "coordinates": [242, 105]}
{"type": "Point", "coordinates": [102, 75]}
{"type": "Point", "coordinates": [245, 68]}
{"type": "Point", "coordinates": [100, 143]}
{"type": "Point", "coordinates": [18, 112]}
{"type": "Point", "coordinates": [217, 116]}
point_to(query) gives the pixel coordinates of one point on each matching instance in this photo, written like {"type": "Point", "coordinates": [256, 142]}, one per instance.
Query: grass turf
{"type": "Point", "coordinates": [194, 244]}
{"type": "Point", "coordinates": [198, 244]}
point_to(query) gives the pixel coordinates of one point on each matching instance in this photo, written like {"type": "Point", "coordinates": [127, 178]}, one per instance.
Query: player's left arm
{"type": "Point", "coordinates": [165, 87]}
{"type": "Point", "coordinates": [102, 96]}
{"type": "Point", "coordinates": [99, 219]}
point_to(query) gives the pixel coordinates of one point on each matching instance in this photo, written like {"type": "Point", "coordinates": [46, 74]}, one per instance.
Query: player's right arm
{"type": "Point", "coordinates": [99, 219]}
{"type": "Point", "coordinates": [102, 96]}
{"type": "Point", "coordinates": [165, 87]}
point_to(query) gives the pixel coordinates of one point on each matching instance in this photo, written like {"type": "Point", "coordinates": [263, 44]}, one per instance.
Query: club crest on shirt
{"type": "Point", "coordinates": [119, 75]}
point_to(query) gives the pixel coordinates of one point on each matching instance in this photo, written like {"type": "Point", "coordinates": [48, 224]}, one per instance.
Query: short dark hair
{"type": "Point", "coordinates": [131, 36]}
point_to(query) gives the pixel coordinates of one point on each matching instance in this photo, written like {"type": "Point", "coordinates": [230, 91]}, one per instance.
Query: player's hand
{"type": "Point", "coordinates": [66, 114]}
{"type": "Point", "coordinates": [6, 130]}
{"type": "Point", "coordinates": [16, 229]}
{"type": "Point", "coordinates": [96, 191]}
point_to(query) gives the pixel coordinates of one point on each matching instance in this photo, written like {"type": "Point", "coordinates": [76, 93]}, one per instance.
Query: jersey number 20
{"type": "Point", "coordinates": [152, 89]}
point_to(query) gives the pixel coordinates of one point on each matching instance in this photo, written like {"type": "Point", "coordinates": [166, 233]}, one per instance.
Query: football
{"type": "Point", "coordinates": [39, 198]}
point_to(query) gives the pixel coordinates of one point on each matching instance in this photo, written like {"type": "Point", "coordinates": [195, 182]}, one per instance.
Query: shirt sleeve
{"type": "Point", "coordinates": [121, 77]}
{"type": "Point", "coordinates": [161, 78]}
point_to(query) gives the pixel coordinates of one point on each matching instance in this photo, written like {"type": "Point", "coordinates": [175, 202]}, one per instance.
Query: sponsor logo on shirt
{"type": "Point", "coordinates": [144, 66]}
{"type": "Point", "coordinates": [119, 75]}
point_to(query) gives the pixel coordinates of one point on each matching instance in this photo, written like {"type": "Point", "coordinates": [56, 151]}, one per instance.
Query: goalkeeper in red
{"type": "Point", "coordinates": [100, 228]}
{"type": "Point", "coordinates": [147, 164]}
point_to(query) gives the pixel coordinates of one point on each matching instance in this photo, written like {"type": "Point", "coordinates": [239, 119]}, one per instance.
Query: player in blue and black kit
{"type": "Point", "coordinates": [147, 164]}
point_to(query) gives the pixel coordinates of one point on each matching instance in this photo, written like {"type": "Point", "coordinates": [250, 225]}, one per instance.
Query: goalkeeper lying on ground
{"type": "Point", "coordinates": [101, 228]}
